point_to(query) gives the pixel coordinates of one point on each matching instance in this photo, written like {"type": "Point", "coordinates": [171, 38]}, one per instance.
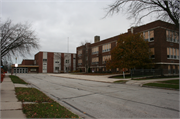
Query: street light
{"type": "Point", "coordinates": [16, 65]}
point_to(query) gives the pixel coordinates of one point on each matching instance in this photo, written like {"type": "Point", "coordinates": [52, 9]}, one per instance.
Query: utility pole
{"type": "Point", "coordinates": [68, 45]}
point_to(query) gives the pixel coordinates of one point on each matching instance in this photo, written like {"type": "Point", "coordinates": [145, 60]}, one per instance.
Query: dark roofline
{"type": "Point", "coordinates": [54, 52]}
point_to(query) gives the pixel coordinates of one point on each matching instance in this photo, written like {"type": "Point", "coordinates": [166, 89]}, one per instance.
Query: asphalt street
{"type": "Point", "coordinates": [90, 99]}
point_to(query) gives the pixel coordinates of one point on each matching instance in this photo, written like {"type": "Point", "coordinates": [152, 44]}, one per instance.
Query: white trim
{"type": "Point", "coordinates": [166, 63]}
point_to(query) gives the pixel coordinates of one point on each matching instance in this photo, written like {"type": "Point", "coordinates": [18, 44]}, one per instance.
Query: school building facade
{"type": "Point", "coordinates": [163, 41]}
{"type": "Point", "coordinates": [47, 62]}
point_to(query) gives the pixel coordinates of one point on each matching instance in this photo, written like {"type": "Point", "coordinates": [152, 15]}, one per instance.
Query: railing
{"type": "Point", "coordinates": [139, 73]}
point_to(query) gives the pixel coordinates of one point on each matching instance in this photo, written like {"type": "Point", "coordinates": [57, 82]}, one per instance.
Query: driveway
{"type": "Point", "coordinates": [91, 99]}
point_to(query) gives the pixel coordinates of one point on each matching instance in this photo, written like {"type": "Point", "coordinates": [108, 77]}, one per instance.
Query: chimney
{"type": "Point", "coordinates": [96, 39]}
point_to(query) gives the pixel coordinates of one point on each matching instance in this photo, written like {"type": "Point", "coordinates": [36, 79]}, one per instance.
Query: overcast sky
{"type": "Point", "coordinates": [54, 21]}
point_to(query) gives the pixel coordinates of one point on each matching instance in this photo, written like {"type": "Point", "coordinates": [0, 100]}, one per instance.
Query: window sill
{"type": "Point", "coordinates": [172, 42]}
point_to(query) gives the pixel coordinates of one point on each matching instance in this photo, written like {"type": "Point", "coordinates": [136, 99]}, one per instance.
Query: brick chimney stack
{"type": "Point", "coordinates": [96, 39]}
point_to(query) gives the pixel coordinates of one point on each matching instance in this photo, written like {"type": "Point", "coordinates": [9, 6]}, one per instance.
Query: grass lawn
{"type": "Point", "coordinates": [51, 109]}
{"type": "Point", "coordinates": [171, 81]}
{"type": "Point", "coordinates": [16, 79]}
{"type": "Point", "coordinates": [31, 95]}
{"type": "Point", "coordinates": [47, 110]}
{"type": "Point", "coordinates": [172, 84]}
{"type": "Point", "coordinates": [121, 81]}
{"type": "Point", "coordinates": [157, 78]}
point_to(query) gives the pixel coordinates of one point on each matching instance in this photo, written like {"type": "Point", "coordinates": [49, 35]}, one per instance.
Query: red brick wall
{"type": "Point", "coordinates": [50, 62]}
{"type": "Point", "coordinates": [39, 58]}
{"type": "Point", "coordinates": [71, 62]}
{"type": "Point", "coordinates": [27, 62]}
{"type": "Point", "coordinates": [62, 61]}
{"type": "Point", "coordinates": [154, 24]}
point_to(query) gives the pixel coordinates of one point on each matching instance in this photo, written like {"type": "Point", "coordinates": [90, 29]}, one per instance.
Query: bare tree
{"type": "Point", "coordinates": [84, 42]}
{"type": "Point", "coordinates": [85, 58]}
{"type": "Point", "coordinates": [17, 39]}
{"type": "Point", "coordinates": [167, 10]}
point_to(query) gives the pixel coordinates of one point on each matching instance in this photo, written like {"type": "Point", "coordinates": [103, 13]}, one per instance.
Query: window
{"type": "Point", "coordinates": [169, 67]}
{"type": "Point", "coordinates": [57, 62]}
{"type": "Point", "coordinates": [57, 68]}
{"type": "Point", "coordinates": [152, 51]}
{"type": "Point", "coordinates": [105, 58]}
{"type": "Point", "coordinates": [33, 69]}
{"type": "Point", "coordinates": [79, 52]}
{"type": "Point", "coordinates": [168, 52]}
{"type": "Point", "coordinates": [95, 50]}
{"type": "Point", "coordinates": [176, 37]}
{"type": "Point", "coordinates": [149, 36]}
{"type": "Point", "coordinates": [67, 61]}
{"type": "Point", "coordinates": [172, 36]}
{"type": "Point", "coordinates": [174, 67]}
{"type": "Point", "coordinates": [44, 67]}
{"type": "Point", "coordinates": [106, 48]}
{"type": "Point", "coordinates": [172, 53]}
{"type": "Point", "coordinates": [146, 36]}
{"type": "Point", "coordinates": [80, 62]}
{"type": "Point", "coordinates": [95, 60]}
{"type": "Point", "coordinates": [44, 59]}
{"type": "Point", "coordinates": [177, 53]}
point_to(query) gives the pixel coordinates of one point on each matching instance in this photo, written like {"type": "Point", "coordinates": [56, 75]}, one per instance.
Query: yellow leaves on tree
{"type": "Point", "coordinates": [132, 51]}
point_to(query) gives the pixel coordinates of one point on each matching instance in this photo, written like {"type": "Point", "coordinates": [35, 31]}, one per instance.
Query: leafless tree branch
{"type": "Point", "coordinates": [136, 9]}
{"type": "Point", "coordinates": [17, 39]}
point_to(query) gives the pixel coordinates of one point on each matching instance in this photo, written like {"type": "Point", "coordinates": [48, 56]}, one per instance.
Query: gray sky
{"type": "Point", "coordinates": [56, 20]}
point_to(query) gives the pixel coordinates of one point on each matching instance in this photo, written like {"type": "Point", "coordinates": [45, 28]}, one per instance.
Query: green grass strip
{"type": "Point", "coordinates": [31, 95]}
{"type": "Point", "coordinates": [162, 85]}
{"type": "Point", "coordinates": [171, 81]}
{"type": "Point", "coordinates": [47, 110]}
{"type": "Point", "coordinates": [156, 78]}
{"type": "Point", "coordinates": [16, 79]}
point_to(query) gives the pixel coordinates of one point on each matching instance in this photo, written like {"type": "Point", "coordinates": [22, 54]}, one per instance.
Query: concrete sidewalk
{"type": "Point", "coordinates": [105, 78]}
{"type": "Point", "coordinates": [10, 107]}
{"type": "Point", "coordinates": [98, 78]}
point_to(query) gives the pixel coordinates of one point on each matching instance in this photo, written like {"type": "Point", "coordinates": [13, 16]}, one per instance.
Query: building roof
{"type": "Point", "coordinates": [19, 65]}
{"type": "Point", "coordinates": [54, 52]}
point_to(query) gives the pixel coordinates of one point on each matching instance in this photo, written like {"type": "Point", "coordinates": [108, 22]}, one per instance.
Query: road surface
{"type": "Point", "coordinates": [90, 99]}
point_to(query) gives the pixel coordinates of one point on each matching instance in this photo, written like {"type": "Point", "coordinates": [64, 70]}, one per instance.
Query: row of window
{"type": "Point", "coordinates": [172, 36]}
{"type": "Point", "coordinates": [57, 68]}
{"type": "Point", "coordinates": [95, 60]}
{"type": "Point", "coordinates": [95, 50]}
{"type": "Point", "coordinates": [172, 53]}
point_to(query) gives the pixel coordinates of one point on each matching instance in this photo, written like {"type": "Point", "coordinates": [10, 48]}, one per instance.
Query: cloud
{"type": "Point", "coordinates": [55, 21]}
